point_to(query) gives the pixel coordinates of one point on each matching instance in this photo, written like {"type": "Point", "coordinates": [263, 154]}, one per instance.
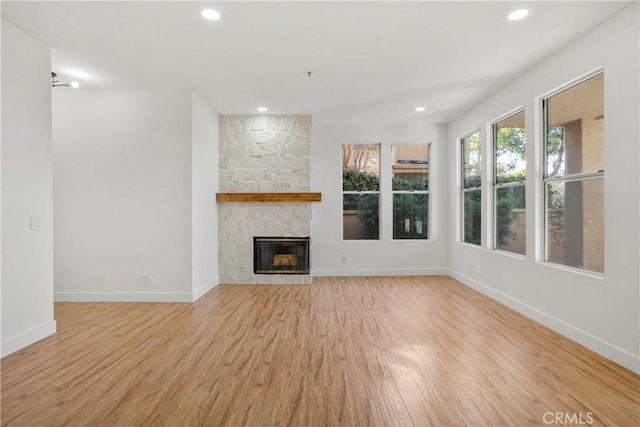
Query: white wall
{"type": "Point", "coordinates": [122, 169]}
{"type": "Point", "coordinates": [27, 256]}
{"type": "Point", "coordinates": [205, 140]}
{"type": "Point", "coordinates": [601, 313]}
{"type": "Point", "coordinates": [386, 256]}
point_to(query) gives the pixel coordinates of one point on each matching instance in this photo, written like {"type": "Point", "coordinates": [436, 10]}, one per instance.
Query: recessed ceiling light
{"type": "Point", "coordinates": [263, 109]}
{"type": "Point", "coordinates": [420, 109]}
{"type": "Point", "coordinates": [211, 14]}
{"type": "Point", "coordinates": [517, 14]}
{"type": "Point", "coordinates": [75, 84]}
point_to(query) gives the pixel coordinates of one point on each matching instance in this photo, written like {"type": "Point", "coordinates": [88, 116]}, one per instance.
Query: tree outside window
{"type": "Point", "coordinates": [471, 191]}
{"type": "Point", "coordinates": [361, 192]}
{"type": "Point", "coordinates": [509, 194]}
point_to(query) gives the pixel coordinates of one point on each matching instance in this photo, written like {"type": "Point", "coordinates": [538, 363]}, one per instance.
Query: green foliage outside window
{"type": "Point", "coordinates": [510, 140]}
{"type": "Point", "coordinates": [472, 216]}
{"type": "Point", "coordinates": [410, 211]}
{"type": "Point", "coordinates": [367, 205]}
{"type": "Point", "coordinates": [353, 180]}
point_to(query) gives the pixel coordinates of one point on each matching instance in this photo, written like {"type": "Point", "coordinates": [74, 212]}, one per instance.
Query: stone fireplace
{"type": "Point", "coordinates": [262, 154]}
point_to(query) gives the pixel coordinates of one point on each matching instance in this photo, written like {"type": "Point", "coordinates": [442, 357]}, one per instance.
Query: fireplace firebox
{"type": "Point", "coordinates": [281, 255]}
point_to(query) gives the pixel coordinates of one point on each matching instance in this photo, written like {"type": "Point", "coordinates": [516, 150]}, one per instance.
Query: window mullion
{"type": "Point", "coordinates": [576, 177]}
{"type": "Point", "coordinates": [509, 184]}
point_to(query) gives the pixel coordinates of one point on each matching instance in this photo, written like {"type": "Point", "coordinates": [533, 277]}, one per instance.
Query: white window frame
{"type": "Point", "coordinates": [379, 192]}
{"type": "Point", "coordinates": [427, 192]}
{"type": "Point", "coordinates": [464, 190]}
{"type": "Point", "coordinates": [495, 186]}
{"type": "Point", "coordinates": [576, 177]}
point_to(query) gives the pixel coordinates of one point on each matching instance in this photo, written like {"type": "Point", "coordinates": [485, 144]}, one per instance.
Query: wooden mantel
{"type": "Point", "coordinates": [268, 197]}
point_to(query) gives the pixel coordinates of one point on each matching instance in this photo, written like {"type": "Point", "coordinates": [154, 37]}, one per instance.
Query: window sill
{"type": "Point", "coordinates": [470, 245]}
{"type": "Point", "coordinates": [591, 274]}
{"type": "Point", "coordinates": [510, 254]}
{"type": "Point", "coordinates": [386, 241]}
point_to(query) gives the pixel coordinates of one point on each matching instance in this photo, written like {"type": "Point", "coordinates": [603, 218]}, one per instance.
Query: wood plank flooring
{"type": "Point", "coordinates": [394, 351]}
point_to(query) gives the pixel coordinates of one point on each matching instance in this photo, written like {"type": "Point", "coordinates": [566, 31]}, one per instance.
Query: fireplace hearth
{"type": "Point", "coordinates": [281, 255]}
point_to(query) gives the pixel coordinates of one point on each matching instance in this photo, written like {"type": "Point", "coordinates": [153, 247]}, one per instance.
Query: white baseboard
{"type": "Point", "coordinates": [381, 272]}
{"type": "Point", "coordinates": [123, 297]}
{"type": "Point", "coordinates": [611, 352]}
{"type": "Point", "coordinates": [198, 293]}
{"type": "Point", "coordinates": [135, 296]}
{"type": "Point", "coordinates": [18, 342]}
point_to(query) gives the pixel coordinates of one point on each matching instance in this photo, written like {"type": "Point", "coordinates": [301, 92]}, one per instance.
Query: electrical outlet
{"type": "Point", "coordinates": [343, 260]}
{"type": "Point", "coordinates": [479, 270]}
{"type": "Point", "coordinates": [34, 223]}
{"type": "Point", "coordinates": [145, 279]}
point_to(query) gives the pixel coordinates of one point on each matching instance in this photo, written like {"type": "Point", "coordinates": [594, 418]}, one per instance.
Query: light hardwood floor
{"type": "Point", "coordinates": [396, 351]}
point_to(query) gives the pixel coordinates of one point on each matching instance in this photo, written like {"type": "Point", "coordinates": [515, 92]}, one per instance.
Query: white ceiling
{"type": "Point", "coordinates": [372, 62]}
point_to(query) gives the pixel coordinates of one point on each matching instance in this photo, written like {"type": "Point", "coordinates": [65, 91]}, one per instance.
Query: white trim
{"type": "Point", "coordinates": [570, 83]}
{"type": "Point", "coordinates": [577, 177]}
{"type": "Point", "coordinates": [539, 168]}
{"type": "Point", "coordinates": [542, 211]}
{"type": "Point", "coordinates": [461, 188]}
{"type": "Point", "coordinates": [123, 297]}
{"type": "Point", "coordinates": [493, 186]}
{"type": "Point", "coordinates": [379, 192]}
{"type": "Point", "coordinates": [331, 272]}
{"type": "Point", "coordinates": [509, 184]}
{"type": "Point", "coordinates": [410, 191]}
{"type": "Point", "coordinates": [471, 245]}
{"type": "Point", "coordinates": [490, 178]}
{"type": "Point", "coordinates": [361, 192]}
{"type": "Point", "coordinates": [574, 270]}
{"type": "Point", "coordinates": [198, 293]}
{"type": "Point", "coordinates": [471, 189]}
{"type": "Point", "coordinates": [512, 112]}
{"type": "Point", "coordinates": [509, 254]}
{"type": "Point", "coordinates": [610, 351]}
{"type": "Point", "coordinates": [137, 296]}
{"type": "Point", "coordinates": [427, 191]}
{"type": "Point", "coordinates": [33, 335]}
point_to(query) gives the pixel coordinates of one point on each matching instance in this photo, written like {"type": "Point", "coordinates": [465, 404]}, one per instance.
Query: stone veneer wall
{"type": "Point", "coordinates": [262, 154]}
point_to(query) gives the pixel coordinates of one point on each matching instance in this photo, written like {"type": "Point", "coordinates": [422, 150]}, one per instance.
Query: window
{"type": "Point", "coordinates": [509, 148]}
{"type": "Point", "coordinates": [410, 186]}
{"type": "Point", "coordinates": [574, 175]}
{"type": "Point", "coordinates": [360, 192]}
{"type": "Point", "coordinates": [471, 189]}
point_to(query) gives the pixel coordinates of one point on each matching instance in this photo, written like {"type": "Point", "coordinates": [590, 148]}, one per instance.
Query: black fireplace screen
{"type": "Point", "coordinates": [281, 255]}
